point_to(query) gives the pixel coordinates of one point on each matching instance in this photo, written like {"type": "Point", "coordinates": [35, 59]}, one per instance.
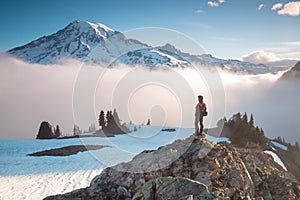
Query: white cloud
{"type": "Point", "coordinates": [199, 11]}
{"type": "Point", "coordinates": [221, 1]}
{"type": "Point", "coordinates": [260, 57]}
{"type": "Point", "coordinates": [261, 6]}
{"type": "Point", "coordinates": [213, 4]}
{"type": "Point", "coordinates": [277, 6]}
{"type": "Point", "coordinates": [291, 8]}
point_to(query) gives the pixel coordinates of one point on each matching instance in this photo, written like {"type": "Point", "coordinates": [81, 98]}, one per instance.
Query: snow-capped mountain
{"type": "Point", "coordinates": [77, 40]}
{"type": "Point", "coordinates": [98, 44]}
{"type": "Point", "coordinates": [169, 55]}
{"type": "Point", "coordinates": [151, 57]}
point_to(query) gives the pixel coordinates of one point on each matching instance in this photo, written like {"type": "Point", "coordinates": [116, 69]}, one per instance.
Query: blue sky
{"type": "Point", "coordinates": [229, 29]}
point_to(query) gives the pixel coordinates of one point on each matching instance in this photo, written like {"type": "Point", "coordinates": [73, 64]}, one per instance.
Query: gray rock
{"type": "Point", "coordinates": [170, 188]}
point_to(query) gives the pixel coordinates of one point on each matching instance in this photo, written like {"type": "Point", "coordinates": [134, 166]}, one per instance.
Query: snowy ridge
{"type": "Point", "coordinates": [169, 56]}
{"type": "Point", "coordinates": [150, 58]}
{"type": "Point", "coordinates": [76, 40]}
{"type": "Point", "coordinates": [96, 43]}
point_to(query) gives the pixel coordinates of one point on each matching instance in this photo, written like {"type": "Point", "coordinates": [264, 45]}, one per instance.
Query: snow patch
{"type": "Point", "coordinates": [281, 146]}
{"type": "Point", "coordinates": [276, 159]}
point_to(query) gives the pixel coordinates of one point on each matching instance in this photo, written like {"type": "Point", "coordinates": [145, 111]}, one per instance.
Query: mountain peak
{"type": "Point", "coordinates": [85, 26]}
{"type": "Point", "coordinates": [76, 40]}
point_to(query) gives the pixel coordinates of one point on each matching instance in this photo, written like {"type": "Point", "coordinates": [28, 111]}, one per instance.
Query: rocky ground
{"type": "Point", "coordinates": [188, 169]}
{"type": "Point", "coordinates": [67, 151]}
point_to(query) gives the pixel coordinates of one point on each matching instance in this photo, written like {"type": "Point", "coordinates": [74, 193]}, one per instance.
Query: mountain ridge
{"type": "Point", "coordinates": [96, 43]}
{"type": "Point", "coordinates": [293, 74]}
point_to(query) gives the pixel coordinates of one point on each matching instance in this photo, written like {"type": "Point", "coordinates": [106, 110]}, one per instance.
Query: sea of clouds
{"type": "Point", "coordinates": [74, 93]}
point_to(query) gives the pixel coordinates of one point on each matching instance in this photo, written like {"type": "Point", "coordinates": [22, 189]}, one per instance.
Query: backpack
{"type": "Point", "coordinates": [202, 108]}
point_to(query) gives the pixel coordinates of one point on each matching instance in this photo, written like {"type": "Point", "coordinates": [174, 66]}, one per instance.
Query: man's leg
{"type": "Point", "coordinates": [201, 126]}
{"type": "Point", "coordinates": [196, 126]}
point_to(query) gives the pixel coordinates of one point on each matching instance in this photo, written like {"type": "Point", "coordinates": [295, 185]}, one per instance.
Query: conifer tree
{"type": "Point", "coordinates": [108, 119]}
{"type": "Point", "coordinates": [102, 121]}
{"type": "Point", "coordinates": [245, 118]}
{"type": "Point", "coordinates": [148, 122]}
{"type": "Point", "coordinates": [251, 122]}
{"type": "Point", "coordinates": [57, 131]}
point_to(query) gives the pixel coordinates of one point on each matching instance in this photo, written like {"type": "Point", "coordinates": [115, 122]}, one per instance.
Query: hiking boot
{"type": "Point", "coordinates": [202, 135]}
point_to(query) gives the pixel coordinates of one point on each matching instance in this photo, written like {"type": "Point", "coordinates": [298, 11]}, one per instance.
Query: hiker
{"type": "Point", "coordinates": [199, 114]}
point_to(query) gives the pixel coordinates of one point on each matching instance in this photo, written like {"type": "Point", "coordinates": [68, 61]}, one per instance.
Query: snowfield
{"type": "Point", "coordinates": [38, 186]}
{"type": "Point", "coordinates": [25, 177]}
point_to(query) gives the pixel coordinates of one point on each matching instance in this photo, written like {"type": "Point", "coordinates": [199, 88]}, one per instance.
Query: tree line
{"type": "Point", "coordinates": [109, 123]}
{"type": "Point", "coordinates": [241, 131]}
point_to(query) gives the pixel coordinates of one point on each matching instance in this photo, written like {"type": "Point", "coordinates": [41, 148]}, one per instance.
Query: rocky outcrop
{"type": "Point", "coordinates": [190, 169]}
{"type": "Point", "coordinates": [170, 188]}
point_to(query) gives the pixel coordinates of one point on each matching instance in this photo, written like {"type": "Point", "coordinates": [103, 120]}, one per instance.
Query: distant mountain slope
{"type": "Point", "coordinates": [77, 40]}
{"type": "Point", "coordinates": [98, 44]}
{"type": "Point", "coordinates": [292, 74]}
{"type": "Point", "coordinates": [151, 57]}
{"type": "Point", "coordinates": [169, 55]}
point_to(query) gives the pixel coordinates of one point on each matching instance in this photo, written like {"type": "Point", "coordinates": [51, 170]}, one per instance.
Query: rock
{"type": "Point", "coordinates": [123, 192]}
{"type": "Point", "coordinates": [193, 170]}
{"type": "Point", "coordinates": [68, 150]}
{"type": "Point", "coordinates": [170, 188]}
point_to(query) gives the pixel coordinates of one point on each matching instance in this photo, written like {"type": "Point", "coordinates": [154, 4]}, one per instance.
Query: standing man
{"type": "Point", "coordinates": [199, 114]}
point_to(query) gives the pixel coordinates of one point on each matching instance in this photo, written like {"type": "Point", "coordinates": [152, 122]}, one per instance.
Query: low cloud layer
{"type": "Point", "coordinates": [74, 94]}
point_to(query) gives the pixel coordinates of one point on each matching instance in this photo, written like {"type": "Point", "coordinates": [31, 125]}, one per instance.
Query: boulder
{"type": "Point", "coordinates": [170, 188]}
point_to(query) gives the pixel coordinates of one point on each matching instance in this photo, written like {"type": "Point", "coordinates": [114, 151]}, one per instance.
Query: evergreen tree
{"type": "Point", "coordinates": [102, 121]}
{"type": "Point", "coordinates": [251, 122]}
{"type": "Point", "coordinates": [77, 130]}
{"type": "Point", "coordinates": [241, 132]}
{"type": "Point", "coordinates": [108, 119]}
{"type": "Point", "coordinates": [45, 131]}
{"type": "Point", "coordinates": [245, 118]}
{"type": "Point", "coordinates": [238, 117]}
{"type": "Point", "coordinates": [92, 128]}
{"type": "Point", "coordinates": [57, 131]}
{"type": "Point", "coordinates": [262, 131]}
{"type": "Point", "coordinates": [257, 129]}
{"type": "Point", "coordinates": [148, 122]}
